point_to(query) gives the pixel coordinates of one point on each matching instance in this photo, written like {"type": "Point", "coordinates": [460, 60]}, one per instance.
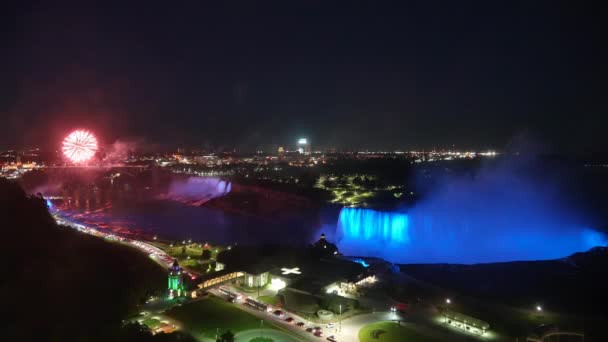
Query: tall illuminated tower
{"type": "Point", "coordinates": [304, 146]}
{"type": "Point", "coordinates": [176, 283]}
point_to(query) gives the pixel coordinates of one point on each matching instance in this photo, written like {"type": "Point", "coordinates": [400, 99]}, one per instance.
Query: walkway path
{"type": "Point", "coordinates": [351, 326]}
{"type": "Point", "coordinates": [276, 335]}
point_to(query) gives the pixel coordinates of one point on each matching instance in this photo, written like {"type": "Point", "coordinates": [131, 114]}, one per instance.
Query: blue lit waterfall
{"type": "Point", "coordinates": [372, 225]}
{"type": "Point", "coordinates": [429, 235]}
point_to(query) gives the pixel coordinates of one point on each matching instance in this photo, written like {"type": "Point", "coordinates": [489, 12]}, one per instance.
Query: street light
{"type": "Point", "coordinates": [539, 308]}
{"type": "Point", "coordinates": [262, 329]}
{"type": "Point", "coordinates": [340, 320]}
{"type": "Point", "coordinates": [448, 301]}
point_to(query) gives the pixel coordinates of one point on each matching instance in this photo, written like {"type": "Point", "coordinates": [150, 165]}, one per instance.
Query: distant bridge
{"type": "Point", "coordinates": [92, 167]}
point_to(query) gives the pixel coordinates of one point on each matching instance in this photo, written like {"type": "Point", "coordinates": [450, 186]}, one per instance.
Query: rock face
{"type": "Point", "coordinates": [271, 206]}
{"type": "Point", "coordinates": [594, 260]}
{"type": "Point", "coordinates": [576, 283]}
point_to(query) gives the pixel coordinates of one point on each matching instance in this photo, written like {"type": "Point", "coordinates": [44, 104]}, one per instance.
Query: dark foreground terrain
{"type": "Point", "coordinates": [572, 292]}
{"type": "Point", "coordinates": [60, 285]}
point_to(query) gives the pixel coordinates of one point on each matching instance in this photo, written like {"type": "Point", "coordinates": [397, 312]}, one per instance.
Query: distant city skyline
{"type": "Point", "coordinates": [304, 170]}
{"type": "Point", "coordinates": [245, 75]}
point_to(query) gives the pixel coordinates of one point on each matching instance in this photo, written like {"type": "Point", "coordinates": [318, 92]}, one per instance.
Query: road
{"type": "Point", "coordinates": [155, 253]}
{"type": "Point", "coordinates": [421, 320]}
{"type": "Point", "coordinates": [159, 256]}
{"type": "Point", "coordinates": [299, 333]}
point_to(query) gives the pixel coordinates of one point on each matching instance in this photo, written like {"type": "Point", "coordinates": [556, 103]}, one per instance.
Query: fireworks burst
{"type": "Point", "coordinates": [80, 146]}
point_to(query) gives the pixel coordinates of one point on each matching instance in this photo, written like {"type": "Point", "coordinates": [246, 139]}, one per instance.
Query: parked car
{"type": "Point", "coordinates": [330, 325]}
{"type": "Point", "coordinates": [289, 320]}
{"type": "Point", "coordinates": [300, 324]}
{"type": "Point", "coordinates": [332, 338]}
{"type": "Point", "coordinates": [279, 313]}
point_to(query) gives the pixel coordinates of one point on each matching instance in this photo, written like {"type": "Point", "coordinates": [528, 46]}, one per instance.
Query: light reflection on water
{"type": "Point", "coordinates": [129, 212]}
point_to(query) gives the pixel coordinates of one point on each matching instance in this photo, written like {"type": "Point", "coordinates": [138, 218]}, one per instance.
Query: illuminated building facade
{"type": "Point", "coordinates": [175, 281]}
{"type": "Point", "coordinates": [465, 322]}
{"type": "Point", "coordinates": [255, 276]}
{"type": "Point", "coordinates": [325, 247]}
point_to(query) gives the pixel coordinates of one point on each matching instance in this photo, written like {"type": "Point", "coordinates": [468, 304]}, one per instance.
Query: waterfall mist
{"type": "Point", "coordinates": [506, 211]}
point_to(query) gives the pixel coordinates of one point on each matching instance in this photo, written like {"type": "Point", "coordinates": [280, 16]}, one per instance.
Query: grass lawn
{"type": "Point", "coordinates": [300, 302]}
{"type": "Point", "coordinates": [271, 300]}
{"type": "Point", "coordinates": [390, 332]}
{"type": "Point", "coordinates": [509, 321]}
{"type": "Point", "coordinates": [177, 251]}
{"type": "Point", "coordinates": [192, 249]}
{"type": "Point", "coordinates": [151, 323]}
{"type": "Point", "coordinates": [252, 290]}
{"type": "Point", "coordinates": [203, 317]}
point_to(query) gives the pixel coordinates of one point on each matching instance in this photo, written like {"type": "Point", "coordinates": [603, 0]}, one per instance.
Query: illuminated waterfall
{"type": "Point", "coordinates": [197, 190]}
{"type": "Point", "coordinates": [199, 187]}
{"type": "Point", "coordinates": [428, 235]}
{"type": "Point", "coordinates": [371, 225]}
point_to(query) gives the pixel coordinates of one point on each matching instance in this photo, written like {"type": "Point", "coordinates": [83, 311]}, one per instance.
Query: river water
{"type": "Point", "coordinates": [148, 215]}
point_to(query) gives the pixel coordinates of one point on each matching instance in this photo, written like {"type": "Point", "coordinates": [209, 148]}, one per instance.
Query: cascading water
{"type": "Point", "coordinates": [423, 237]}
{"type": "Point", "coordinates": [197, 190]}
{"type": "Point", "coordinates": [368, 225]}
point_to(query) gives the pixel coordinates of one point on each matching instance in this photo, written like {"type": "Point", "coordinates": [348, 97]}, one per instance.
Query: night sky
{"type": "Point", "coordinates": [251, 74]}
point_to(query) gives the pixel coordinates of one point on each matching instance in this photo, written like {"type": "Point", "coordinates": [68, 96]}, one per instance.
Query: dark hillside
{"type": "Point", "coordinates": [60, 285]}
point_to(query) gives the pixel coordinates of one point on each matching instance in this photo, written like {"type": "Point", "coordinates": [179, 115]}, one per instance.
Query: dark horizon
{"type": "Point", "coordinates": [244, 75]}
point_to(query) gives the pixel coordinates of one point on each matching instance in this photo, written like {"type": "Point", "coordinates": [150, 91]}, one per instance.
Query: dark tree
{"type": "Point", "coordinates": [74, 266]}
{"type": "Point", "coordinates": [206, 255]}
{"type": "Point", "coordinates": [228, 336]}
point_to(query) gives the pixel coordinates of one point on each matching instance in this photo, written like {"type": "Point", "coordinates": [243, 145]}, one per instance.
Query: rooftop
{"type": "Point", "coordinates": [471, 321]}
